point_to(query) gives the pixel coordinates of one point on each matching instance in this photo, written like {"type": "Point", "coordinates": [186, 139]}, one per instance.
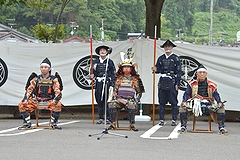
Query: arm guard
{"type": "Point", "coordinates": [141, 87]}
{"type": "Point", "coordinates": [57, 91]}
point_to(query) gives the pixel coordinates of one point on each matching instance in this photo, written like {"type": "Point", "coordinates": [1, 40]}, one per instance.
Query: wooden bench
{"type": "Point", "coordinates": [42, 110]}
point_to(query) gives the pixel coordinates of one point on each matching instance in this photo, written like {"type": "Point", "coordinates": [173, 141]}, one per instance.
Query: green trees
{"type": "Point", "coordinates": [64, 4]}
{"type": "Point", "coordinates": [190, 17]}
{"type": "Point", "coordinates": [11, 2]}
{"type": "Point", "coordinates": [46, 33]}
{"type": "Point", "coordinates": [193, 18]}
{"type": "Point", "coordinates": [119, 16]}
{"type": "Point", "coordinates": [180, 14]}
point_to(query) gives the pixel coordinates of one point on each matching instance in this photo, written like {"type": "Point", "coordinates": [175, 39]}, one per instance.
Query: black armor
{"type": "Point", "coordinates": [171, 72]}
{"type": "Point", "coordinates": [44, 87]}
{"type": "Point", "coordinates": [168, 67]}
{"type": "Point", "coordinates": [203, 88]}
{"type": "Point", "coordinates": [100, 70]}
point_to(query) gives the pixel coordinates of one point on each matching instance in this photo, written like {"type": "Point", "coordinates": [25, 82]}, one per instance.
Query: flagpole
{"type": "Point", "coordinates": [91, 67]}
{"type": "Point", "coordinates": [154, 76]}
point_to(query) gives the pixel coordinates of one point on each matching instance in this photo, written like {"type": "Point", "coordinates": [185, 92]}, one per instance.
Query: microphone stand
{"type": "Point", "coordinates": [104, 90]}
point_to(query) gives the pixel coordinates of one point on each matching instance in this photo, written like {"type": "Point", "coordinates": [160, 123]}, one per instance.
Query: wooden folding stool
{"type": "Point", "coordinates": [209, 130]}
{"type": "Point", "coordinates": [117, 122]}
{"type": "Point", "coordinates": [42, 110]}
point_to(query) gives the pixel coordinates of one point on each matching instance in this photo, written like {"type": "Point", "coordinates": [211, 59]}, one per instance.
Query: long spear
{"type": "Point", "coordinates": [154, 75]}
{"type": "Point", "coordinates": [91, 71]}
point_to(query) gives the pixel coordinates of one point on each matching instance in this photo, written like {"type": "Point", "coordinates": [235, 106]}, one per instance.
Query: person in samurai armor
{"type": "Point", "coordinates": [126, 92]}
{"type": "Point", "coordinates": [169, 66]}
{"type": "Point", "coordinates": [202, 98]}
{"type": "Point", "coordinates": [103, 70]}
{"type": "Point", "coordinates": [43, 88]}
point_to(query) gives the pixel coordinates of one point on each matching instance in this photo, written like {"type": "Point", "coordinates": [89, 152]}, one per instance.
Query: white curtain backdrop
{"type": "Point", "coordinates": [22, 59]}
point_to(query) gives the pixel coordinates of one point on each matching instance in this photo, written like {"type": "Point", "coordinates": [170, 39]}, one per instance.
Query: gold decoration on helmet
{"type": "Point", "coordinates": [128, 60]}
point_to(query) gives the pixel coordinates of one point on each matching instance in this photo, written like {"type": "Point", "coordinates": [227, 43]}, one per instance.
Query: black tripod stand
{"type": "Point", "coordinates": [104, 90]}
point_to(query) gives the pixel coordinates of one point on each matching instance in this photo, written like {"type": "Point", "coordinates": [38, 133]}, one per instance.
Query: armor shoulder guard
{"type": "Point", "coordinates": [96, 60]}
{"type": "Point", "coordinates": [192, 82]}
{"type": "Point", "coordinates": [111, 62]}
{"type": "Point", "coordinates": [59, 80]}
{"type": "Point", "coordinates": [211, 83]}
{"type": "Point", "coordinates": [161, 58]}
{"type": "Point", "coordinates": [176, 57]}
{"type": "Point", "coordinates": [32, 75]}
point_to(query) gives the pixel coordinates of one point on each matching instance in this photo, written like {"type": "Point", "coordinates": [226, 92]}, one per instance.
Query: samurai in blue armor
{"type": "Point", "coordinates": [103, 71]}
{"type": "Point", "coordinates": [169, 66]}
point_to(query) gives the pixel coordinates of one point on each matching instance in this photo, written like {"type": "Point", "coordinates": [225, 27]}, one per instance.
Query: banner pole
{"type": "Point", "coordinates": [91, 71]}
{"type": "Point", "coordinates": [154, 76]}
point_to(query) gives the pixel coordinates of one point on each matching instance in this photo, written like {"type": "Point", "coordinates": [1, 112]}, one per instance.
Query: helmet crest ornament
{"type": "Point", "coordinates": [129, 57]}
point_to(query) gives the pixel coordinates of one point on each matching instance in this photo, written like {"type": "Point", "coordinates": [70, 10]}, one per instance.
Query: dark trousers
{"type": "Point", "coordinates": [101, 99]}
{"type": "Point", "coordinates": [165, 96]}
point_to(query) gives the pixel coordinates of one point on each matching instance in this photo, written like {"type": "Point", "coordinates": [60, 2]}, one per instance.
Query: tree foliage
{"type": "Point", "coordinates": [123, 16]}
{"type": "Point", "coordinates": [11, 2]}
{"type": "Point", "coordinates": [46, 33]}
{"type": "Point", "coordinates": [64, 4]}
{"type": "Point", "coordinates": [193, 18]}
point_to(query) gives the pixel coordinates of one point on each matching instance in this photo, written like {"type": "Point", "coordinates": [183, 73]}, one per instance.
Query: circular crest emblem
{"type": "Point", "coordinates": [3, 72]}
{"type": "Point", "coordinates": [81, 72]}
{"type": "Point", "coordinates": [189, 66]}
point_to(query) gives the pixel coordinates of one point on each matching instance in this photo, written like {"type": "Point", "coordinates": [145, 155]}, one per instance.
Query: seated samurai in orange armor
{"type": "Point", "coordinates": [126, 92]}
{"type": "Point", "coordinates": [43, 88]}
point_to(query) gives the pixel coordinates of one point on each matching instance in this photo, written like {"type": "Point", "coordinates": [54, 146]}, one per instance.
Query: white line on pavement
{"type": "Point", "coordinates": [173, 134]}
{"type": "Point", "coordinates": [29, 131]}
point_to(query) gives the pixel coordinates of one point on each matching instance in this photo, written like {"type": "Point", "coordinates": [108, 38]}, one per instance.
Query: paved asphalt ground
{"type": "Point", "coordinates": [73, 142]}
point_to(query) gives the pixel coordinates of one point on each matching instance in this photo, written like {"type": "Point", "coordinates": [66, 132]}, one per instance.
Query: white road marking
{"type": "Point", "coordinates": [173, 134]}
{"type": "Point", "coordinates": [29, 131]}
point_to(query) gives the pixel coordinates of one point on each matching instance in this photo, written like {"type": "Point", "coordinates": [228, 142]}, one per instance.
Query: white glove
{"type": "Point", "coordinates": [197, 107]}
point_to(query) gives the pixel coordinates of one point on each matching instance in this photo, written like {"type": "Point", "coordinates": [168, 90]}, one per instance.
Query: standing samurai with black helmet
{"type": "Point", "coordinates": [169, 66]}
{"type": "Point", "coordinates": [99, 72]}
{"type": "Point", "coordinates": [39, 89]}
{"type": "Point", "coordinates": [126, 93]}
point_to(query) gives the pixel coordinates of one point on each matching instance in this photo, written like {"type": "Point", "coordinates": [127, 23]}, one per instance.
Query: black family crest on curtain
{"type": "Point", "coordinates": [3, 72]}
{"type": "Point", "coordinates": [189, 67]}
{"type": "Point", "coordinates": [81, 75]}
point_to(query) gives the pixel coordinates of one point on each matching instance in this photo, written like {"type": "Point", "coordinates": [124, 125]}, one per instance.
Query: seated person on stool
{"type": "Point", "coordinates": [127, 91]}
{"type": "Point", "coordinates": [43, 87]}
{"type": "Point", "coordinates": [202, 94]}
